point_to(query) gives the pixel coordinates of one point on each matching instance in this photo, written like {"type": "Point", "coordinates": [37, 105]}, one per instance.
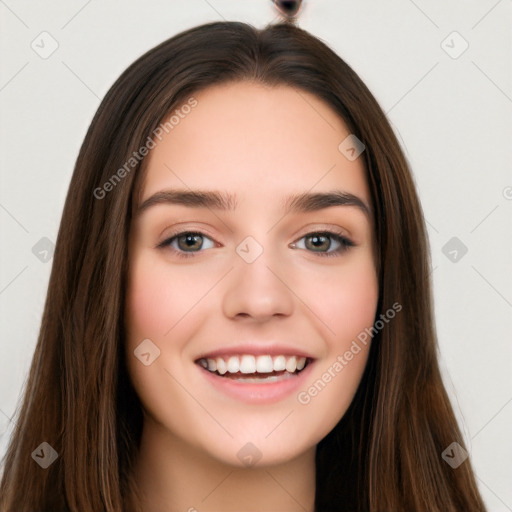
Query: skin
{"type": "Point", "coordinates": [261, 144]}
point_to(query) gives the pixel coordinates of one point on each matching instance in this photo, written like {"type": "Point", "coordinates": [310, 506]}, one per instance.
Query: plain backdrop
{"type": "Point", "coordinates": [440, 69]}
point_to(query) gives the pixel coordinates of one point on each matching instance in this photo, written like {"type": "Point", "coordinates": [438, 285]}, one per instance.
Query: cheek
{"type": "Point", "coordinates": [145, 311]}
{"type": "Point", "coordinates": [347, 300]}
{"type": "Point", "coordinates": [163, 304]}
{"type": "Point", "coordinates": [144, 308]}
{"type": "Point", "coordinates": [157, 304]}
{"type": "Point", "coordinates": [357, 303]}
{"type": "Point", "coordinates": [347, 306]}
{"type": "Point", "coordinates": [156, 299]}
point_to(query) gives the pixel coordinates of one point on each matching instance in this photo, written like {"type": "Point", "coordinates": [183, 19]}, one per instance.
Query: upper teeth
{"type": "Point", "coordinates": [253, 364]}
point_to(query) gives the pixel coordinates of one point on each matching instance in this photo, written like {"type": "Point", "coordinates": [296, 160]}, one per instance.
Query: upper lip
{"type": "Point", "coordinates": [257, 349]}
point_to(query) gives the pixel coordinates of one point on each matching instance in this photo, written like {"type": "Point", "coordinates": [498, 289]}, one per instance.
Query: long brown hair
{"type": "Point", "coordinates": [385, 453]}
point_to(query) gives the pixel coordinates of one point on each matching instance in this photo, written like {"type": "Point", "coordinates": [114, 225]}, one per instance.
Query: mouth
{"type": "Point", "coordinates": [255, 369]}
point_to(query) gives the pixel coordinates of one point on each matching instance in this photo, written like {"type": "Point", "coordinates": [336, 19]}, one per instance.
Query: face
{"type": "Point", "coordinates": [243, 314]}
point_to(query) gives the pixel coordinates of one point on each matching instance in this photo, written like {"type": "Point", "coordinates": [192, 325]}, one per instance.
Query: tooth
{"type": "Point", "coordinates": [248, 364]}
{"type": "Point", "coordinates": [279, 363]}
{"type": "Point", "coordinates": [264, 364]}
{"type": "Point", "coordinates": [291, 364]}
{"type": "Point", "coordinates": [221, 366]}
{"type": "Point", "coordinates": [259, 380]}
{"type": "Point", "coordinates": [233, 364]}
{"type": "Point", "coordinates": [269, 378]}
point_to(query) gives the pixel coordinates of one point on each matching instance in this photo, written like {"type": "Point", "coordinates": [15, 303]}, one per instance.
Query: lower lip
{"type": "Point", "coordinates": [264, 393]}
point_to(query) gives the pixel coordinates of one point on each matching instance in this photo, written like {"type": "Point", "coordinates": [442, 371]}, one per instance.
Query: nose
{"type": "Point", "coordinates": [259, 290]}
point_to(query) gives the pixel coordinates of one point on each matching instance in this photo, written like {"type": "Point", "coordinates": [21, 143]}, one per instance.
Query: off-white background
{"type": "Point", "coordinates": [453, 117]}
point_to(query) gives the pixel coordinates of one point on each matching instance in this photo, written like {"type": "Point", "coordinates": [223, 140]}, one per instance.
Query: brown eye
{"type": "Point", "coordinates": [189, 241]}
{"type": "Point", "coordinates": [321, 242]}
{"type": "Point", "coordinates": [186, 243]}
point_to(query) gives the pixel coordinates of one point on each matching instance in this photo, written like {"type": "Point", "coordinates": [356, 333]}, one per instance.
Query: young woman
{"type": "Point", "coordinates": [239, 313]}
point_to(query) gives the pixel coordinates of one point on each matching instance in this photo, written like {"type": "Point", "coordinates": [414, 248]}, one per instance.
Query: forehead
{"type": "Point", "coordinates": [255, 141]}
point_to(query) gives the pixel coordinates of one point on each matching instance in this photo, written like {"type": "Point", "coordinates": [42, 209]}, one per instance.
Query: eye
{"type": "Point", "coordinates": [185, 241]}
{"type": "Point", "coordinates": [317, 241]}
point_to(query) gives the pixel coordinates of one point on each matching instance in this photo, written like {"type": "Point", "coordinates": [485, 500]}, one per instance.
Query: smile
{"type": "Point", "coordinates": [258, 366]}
{"type": "Point", "coordinates": [261, 379]}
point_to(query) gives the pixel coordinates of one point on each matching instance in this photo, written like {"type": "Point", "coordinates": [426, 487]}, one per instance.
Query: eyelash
{"type": "Point", "coordinates": [339, 237]}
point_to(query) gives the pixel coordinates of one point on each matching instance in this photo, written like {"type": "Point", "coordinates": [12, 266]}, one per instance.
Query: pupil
{"type": "Point", "coordinates": [317, 242]}
{"type": "Point", "coordinates": [190, 240]}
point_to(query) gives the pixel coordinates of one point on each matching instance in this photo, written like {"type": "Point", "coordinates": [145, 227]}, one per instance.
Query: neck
{"type": "Point", "coordinates": [173, 476]}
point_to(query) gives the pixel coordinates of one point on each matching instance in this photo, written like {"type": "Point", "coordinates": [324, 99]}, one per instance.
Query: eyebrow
{"type": "Point", "coordinates": [216, 200]}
